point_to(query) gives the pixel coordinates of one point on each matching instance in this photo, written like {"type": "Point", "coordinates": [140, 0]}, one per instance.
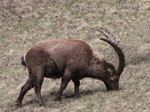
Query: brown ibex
{"type": "Point", "coordinates": [68, 60]}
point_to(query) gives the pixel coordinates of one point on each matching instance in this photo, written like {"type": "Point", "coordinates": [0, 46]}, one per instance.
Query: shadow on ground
{"type": "Point", "coordinates": [50, 95]}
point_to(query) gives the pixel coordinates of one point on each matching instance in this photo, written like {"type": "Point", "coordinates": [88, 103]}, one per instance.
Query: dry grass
{"type": "Point", "coordinates": [22, 23]}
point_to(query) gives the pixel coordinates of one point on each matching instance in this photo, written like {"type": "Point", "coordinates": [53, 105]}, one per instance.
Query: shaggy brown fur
{"type": "Point", "coordinates": [68, 60]}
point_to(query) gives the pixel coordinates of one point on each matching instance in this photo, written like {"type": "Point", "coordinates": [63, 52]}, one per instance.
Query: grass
{"type": "Point", "coordinates": [23, 23]}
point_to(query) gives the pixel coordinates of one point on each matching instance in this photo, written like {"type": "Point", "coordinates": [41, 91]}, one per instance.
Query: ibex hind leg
{"type": "Point", "coordinates": [24, 89]}
{"type": "Point", "coordinates": [39, 77]}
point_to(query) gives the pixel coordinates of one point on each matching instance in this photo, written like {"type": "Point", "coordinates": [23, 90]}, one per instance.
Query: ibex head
{"type": "Point", "coordinates": [112, 75]}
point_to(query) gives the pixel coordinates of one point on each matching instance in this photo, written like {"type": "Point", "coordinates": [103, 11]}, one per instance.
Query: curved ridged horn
{"type": "Point", "coordinates": [120, 55]}
{"type": "Point", "coordinates": [116, 48]}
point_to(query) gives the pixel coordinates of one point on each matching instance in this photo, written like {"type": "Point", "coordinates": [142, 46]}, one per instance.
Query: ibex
{"type": "Point", "coordinates": [68, 60]}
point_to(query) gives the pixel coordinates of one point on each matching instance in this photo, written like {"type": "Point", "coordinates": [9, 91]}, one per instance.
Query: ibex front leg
{"type": "Point", "coordinates": [76, 88]}
{"type": "Point", "coordinates": [64, 82]}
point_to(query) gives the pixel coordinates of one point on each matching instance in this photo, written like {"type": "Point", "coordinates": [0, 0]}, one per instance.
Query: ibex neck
{"type": "Point", "coordinates": [96, 72]}
{"type": "Point", "coordinates": [97, 67]}
{"type": "Point", "coordinates": [96, 76]}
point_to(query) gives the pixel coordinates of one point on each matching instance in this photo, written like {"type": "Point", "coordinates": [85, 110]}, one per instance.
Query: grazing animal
{"type": "Point", "coordinates": [68, 60]}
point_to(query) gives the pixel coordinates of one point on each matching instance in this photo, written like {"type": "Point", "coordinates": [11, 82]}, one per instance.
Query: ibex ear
{"type": "Point", "coordinates": [110, 71]}
{"type": "Point", "coordinates": [111, 67]}
{"type": "Point", "coordinates": [98, 62]}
